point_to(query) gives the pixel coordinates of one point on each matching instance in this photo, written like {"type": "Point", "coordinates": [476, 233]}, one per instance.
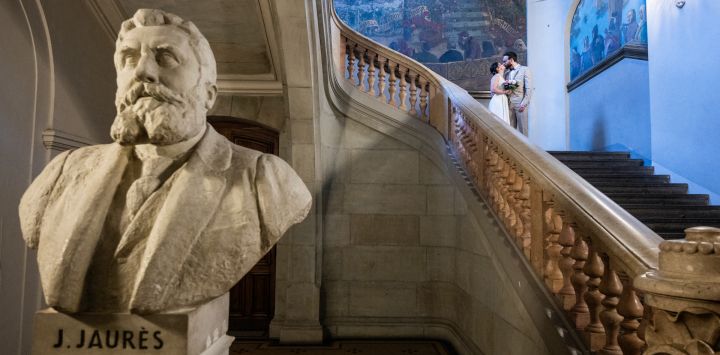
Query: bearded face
{"type": "Point", "coordinates": [161, 97]}
{"type": "Point", "coordinates": [152, 113]}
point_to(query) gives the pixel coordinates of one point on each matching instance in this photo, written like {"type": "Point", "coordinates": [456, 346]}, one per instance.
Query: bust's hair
{"type": "Point", "coordinates": [198, 42]}
{"type": "Point", "coordinates": [494, 68]}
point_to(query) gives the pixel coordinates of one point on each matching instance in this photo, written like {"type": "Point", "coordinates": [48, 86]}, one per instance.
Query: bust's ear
{"type": "Point", "coordinates": [211, 92]}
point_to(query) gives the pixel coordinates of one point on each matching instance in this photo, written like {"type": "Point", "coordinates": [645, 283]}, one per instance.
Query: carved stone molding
{"type": "Point", "coordinates": [632, 51]}
{"type": "Point", "coordinates": [693, 331]}
{"type": "Point", "coordinates": [62, 141]}
{"type": "Point", "coordinates": [685, 295]}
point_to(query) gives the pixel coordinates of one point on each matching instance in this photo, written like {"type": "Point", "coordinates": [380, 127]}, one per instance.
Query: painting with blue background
{"type": "Point", "coordinates": [600, 28]}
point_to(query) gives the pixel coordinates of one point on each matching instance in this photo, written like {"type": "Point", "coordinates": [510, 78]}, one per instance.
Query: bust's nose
{"type": "Point", "coordinates": [147, 69]}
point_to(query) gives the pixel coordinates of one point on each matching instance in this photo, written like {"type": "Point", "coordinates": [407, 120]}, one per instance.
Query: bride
{"type": "Point", "coordinates": [499, 101]}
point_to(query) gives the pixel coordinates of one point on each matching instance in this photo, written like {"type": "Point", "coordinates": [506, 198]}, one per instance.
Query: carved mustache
{"type": "Point", "coordinates": [158, 92]}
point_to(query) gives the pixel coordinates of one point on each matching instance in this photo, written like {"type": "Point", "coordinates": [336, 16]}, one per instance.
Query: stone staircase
{"type": "Point", "coordinates": [664, 207]}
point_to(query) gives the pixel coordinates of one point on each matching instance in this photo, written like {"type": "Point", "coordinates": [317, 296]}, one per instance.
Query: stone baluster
{"type": "Point", "coordinates": [526, 217]}
{"type": "Point", "coordinates": [381, 78]}
{"type": "Point", "coordinates": [490, 166]}
{"type": "Point", "coordinates": [579, 312]}
{"type": "Point", "coordinates": [684, 294]}
{"type": "Point", "coordinates": [509, 203]}
{"type": "Point", "coordinates": [566, 241]}
{"type": "Point", "coordinates": [516, 222]}
{"type": "Point", "coordinates": [371, 73]}
{"type": "Point", "coordinates": [344, 46]}
{"type": "Point", "coordinates": [631, 309]}
{"type": "Point", "coordinates": [361, 68]}
{"type": "Point", "coordinates": [392, 83]}
{"type": "Point", "coordinates": [412, 76]}
{"type": "Point", "coordinates": [502, 165]}
{"type": "Point", "coordinates": [552, 274]}
{"type": "Point", "coordinates": [403, 88]}
{"type": "Point", "coordinates": [497, 169]}
{"type": "Point", "coordinates": [502, 187]}
{"type": "Point", "coordinates": [612, 288]}
{"type": "Point", "coordinates": [424, 99]}
{"type": "Point", "coordinates": [350, 60]}
{"type": "Point", "coordinates": [594, 332]}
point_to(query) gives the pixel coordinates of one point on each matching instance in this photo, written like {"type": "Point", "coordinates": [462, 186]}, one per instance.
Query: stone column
{"type": "Point", "coordinates": [684, 294]}
{"type": "Point", "coordinates": [297, 301]}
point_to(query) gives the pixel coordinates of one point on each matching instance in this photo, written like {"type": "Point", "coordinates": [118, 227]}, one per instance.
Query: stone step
{"type": "Point", "coordinates": [646, 188]}
{"type": "Point", "coordinates": [659, 201]}
{"type": "Point", "coordinates": [609, 179]}
{"type": "Point", "coordinates": [671, 235]}
{"type": "Point", "coordinates": [674, 212]}
{"type": "Point", "coordinates": [583, 155]}
{"type": "Point", "coordinates": [604, 163]}
{"type": "Point", "coordinates": [677, 228]}
{"type": "Point", "coordinates": [631, 170]}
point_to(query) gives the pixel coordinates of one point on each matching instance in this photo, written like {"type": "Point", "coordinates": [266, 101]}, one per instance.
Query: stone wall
{"type": "Point", "coordinates": [403, 258]}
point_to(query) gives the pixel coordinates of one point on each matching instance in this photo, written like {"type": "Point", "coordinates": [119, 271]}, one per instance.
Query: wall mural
{"type": "Point", "coordinates": [458, 39]}
{"type": "Point", "coordinates": [600, 28]}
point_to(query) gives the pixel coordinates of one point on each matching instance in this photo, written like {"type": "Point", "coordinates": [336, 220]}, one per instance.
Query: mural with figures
{"type": "Point", "coordinates": [459, 39]}
{"type": "Point", "coordinates": [600, 28]}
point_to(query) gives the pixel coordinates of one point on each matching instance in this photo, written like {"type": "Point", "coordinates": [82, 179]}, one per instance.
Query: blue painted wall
{"type": "Point", "coordinates": [612, 110]}
{"type": "Point", "coordinates": [685, 92]}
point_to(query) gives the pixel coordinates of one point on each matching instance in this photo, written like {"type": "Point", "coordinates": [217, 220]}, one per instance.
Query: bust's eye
{"type": "Point", "coordinates": [166, 58]}
{"type": "Point", "coordinates": [129, 59]}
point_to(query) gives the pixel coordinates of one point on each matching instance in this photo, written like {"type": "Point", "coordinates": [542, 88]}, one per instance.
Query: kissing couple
{"type": "Point", "coordinates": [511, 91]}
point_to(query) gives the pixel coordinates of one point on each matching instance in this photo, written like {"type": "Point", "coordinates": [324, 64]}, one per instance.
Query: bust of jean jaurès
{"type": "Point", "coordinates": [169, 215]}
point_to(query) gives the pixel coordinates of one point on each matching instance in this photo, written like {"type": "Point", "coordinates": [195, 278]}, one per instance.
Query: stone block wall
{"type": "Point", "coordinates": [401, 256]}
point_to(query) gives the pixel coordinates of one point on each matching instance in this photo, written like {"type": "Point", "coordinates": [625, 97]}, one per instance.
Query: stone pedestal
{"type": "Point", "coordinates": [196, 331]}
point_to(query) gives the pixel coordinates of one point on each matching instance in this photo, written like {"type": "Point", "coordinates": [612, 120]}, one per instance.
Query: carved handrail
{"type": "Point", "coordinates": [592, 254]}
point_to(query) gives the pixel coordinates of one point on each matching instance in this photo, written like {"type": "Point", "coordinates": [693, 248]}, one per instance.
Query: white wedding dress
{"type": "Point", "coordinates": [499, 102]}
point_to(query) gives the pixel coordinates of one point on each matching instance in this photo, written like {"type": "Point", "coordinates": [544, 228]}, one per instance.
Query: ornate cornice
{"type": "Point", "coordinates": [62, 141]}
{"type": "Point", "coordinates": [632, 51]}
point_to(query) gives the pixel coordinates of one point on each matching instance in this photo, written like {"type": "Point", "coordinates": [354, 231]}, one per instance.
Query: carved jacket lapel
{"type": "Point", "coordinates": [66, 248]}
{"type": "Point", "coordinates": [191, 203]}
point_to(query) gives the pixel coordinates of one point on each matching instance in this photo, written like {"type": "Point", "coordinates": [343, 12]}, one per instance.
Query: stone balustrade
{"type": "Point", "coordinates": [382, 75]}
{"type": "Point", "coordinates": [624, 289]}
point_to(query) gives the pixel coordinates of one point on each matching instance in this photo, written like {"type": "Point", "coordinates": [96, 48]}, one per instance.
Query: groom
{"type": "Point", "coordinates": [520, 96]}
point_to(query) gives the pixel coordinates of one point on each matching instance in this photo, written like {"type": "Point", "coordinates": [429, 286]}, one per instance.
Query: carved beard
{"type": "Point", "coordinates": [152, 113]}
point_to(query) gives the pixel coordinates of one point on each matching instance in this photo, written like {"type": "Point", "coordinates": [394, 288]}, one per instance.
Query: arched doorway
{"type": "Point", "coordinates": [252, 299]}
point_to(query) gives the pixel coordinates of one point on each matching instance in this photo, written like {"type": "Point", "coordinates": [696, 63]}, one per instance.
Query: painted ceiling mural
{"type": "Point", "coordinates": [601, 27]}
{"type": "Point", "coordinates": [459, 39]}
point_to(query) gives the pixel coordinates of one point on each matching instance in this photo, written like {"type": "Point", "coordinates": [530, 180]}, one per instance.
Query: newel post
{"type": "Point", "coordinates": [684, 294]}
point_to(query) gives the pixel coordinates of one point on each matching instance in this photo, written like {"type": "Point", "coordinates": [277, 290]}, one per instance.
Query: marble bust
{"type": "Point", "coordinates": [169, 215]}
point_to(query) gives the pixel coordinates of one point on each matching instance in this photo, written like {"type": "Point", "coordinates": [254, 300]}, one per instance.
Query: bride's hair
{"type": "Point", "coordinates": [494, 68]}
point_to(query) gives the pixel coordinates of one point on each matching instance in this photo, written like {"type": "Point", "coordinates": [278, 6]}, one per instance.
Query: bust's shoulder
{"type": "Point", "coordinates": [90, 152]}
{"type": "Point", "coordinates": [243, 158]}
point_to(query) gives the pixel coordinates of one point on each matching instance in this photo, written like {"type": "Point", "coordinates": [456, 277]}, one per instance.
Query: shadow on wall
{"type": "Point", "coordinates": [599, 140]}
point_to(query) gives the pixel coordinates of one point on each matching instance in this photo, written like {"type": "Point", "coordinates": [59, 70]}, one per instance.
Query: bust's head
{"type": "Point", "coordinates": [166, 79]}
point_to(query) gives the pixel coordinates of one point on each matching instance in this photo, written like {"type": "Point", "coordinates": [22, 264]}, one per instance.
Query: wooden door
{"type": "Point", "coordinates": [252, 300]}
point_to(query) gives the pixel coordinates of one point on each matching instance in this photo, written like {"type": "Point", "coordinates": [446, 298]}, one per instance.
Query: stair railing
{"type": "Point", "coordinates": [625, 290]}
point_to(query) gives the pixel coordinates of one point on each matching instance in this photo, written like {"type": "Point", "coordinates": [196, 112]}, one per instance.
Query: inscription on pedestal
{"type": "Point", "coordinates": [197, 331]}
{"type": "Point", "coordinates": [142, 339]}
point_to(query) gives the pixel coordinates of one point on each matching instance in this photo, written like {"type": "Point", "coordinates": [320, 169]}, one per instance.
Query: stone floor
{"type": "Point", "coordinates": [367, 347]}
